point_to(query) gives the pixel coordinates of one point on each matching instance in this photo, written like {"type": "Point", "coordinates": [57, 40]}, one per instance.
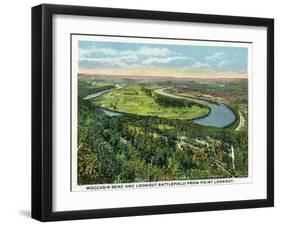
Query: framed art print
{"type": "Point", "coordinates": [146, 112]}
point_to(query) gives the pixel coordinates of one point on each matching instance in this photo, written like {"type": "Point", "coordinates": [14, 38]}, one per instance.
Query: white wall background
{"type": "Point", "coordinates": [15, 111]}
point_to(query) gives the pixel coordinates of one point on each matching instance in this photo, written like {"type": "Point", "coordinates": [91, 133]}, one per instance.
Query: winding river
{"type": "Point", "coordinates": [220, 115]}
{"type": "Point", "coordinates": [97, 94]}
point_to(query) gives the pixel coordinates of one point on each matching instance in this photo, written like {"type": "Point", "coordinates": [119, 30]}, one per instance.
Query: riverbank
{"type": "Point", "coordinates": [220, 114]}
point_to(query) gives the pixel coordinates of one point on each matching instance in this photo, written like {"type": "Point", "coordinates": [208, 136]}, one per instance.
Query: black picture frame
{"type": "Point", "coordinates": [42, 107]}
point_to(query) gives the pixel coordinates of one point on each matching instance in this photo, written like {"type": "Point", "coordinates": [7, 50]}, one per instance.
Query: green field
{"type": "Point", "coordinates": [135, 99]}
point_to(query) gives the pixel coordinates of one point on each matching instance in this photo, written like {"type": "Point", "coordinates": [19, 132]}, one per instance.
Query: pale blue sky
{"type": "Point", "coordinates": [116, 55]}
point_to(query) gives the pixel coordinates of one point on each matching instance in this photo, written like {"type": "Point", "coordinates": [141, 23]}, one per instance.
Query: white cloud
{"type": "Point", "coordinates": [215, 57]}
{"type": "Point", "coordinates": [87, 52]}
{"type": "Point", "coordinates": [198, 66]}
{"type": "Point", "coordinates": [223, 63]}
{"type": "Point", "coordinates": [153, 60]}
{"type": "Point", "coordinates": [109, 61]}
{"type": "Point", "coordinates": [226, 63]}
{"type": "Point", "coordinates": [83, 52]}
{"type": "Point", "coordinates": [201, 65]}
{"type": "Point", "coordinates": [106, 51]}
{"type": "Point", "coordinates": [160, 52]}
{"type": "Point", "coordinates": [127, 61]}
{"type": "Point", "coordinates": [145, 55]}
{"type": "Point", "coordinates": [142, 52]}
